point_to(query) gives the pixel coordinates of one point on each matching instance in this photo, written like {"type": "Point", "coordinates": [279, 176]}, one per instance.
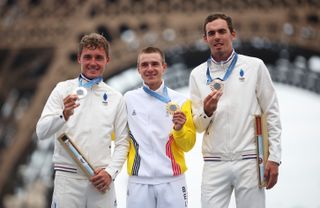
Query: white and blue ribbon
{"type": "Point", "coordinates": [163, 98]}
{"type": "Point", "coordinates": [89, 83]}
{"type": "Point", "coordinates": [228, 72]}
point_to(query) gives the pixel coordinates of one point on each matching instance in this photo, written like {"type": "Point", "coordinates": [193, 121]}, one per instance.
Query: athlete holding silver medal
{"type": "Point", "coordinates": [77, 108]}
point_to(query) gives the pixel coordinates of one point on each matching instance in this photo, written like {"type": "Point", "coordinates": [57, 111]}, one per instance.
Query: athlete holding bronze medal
{"type": "Point", "coordinates": [227, 92]}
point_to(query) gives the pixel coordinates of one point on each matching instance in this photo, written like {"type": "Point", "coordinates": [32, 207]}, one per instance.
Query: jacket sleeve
{"type": "Point", "coordinates": [51, 119]}
{"type": "Point", "coordinates": [185, 138]}
{"type": "Point", "coordinates": [121, 141]}
{"type": "Point", "coordinates": [270, 107]}
{"type": "Point", "coordinates": [200, 119]}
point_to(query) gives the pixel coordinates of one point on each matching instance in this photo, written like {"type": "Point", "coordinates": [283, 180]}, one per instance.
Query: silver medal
{"type": "Point", "coordinates": [81, 92]}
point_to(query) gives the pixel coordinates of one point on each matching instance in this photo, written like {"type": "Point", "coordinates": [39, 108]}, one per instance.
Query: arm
{"type": "Point", "coordinates": [185, 136]}
{"type": "Point", "coordinates": [51, 119]}
{"type": "Point", "coordinates": [202, 110]}
{"type": "Point", "coordinates": [269, 105]}
{"type": "Point", "coordinates": [121, 141]}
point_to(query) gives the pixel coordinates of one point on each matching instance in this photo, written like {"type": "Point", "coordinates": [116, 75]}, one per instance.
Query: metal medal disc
{"type": "Point", "coordinates": [172, 107]}
{"type": "Point", "coordinates": [81, 92]}
{"type": "Point", "coordinates": [216, 85]}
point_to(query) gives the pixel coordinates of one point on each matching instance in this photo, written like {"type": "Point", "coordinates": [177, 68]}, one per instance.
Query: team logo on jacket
{"type": "Point", "coordinates": [241, 75]}
{"type": "Point", "coordinates": [105, 98]}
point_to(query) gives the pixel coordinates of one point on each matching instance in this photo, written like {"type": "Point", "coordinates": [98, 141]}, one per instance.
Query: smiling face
{"type": "Point", "coordinates": [151, 68]}
{"type": "Point", "coordinates": [219, 39]}
{"type": "Point", "coordinates": [93, 62]}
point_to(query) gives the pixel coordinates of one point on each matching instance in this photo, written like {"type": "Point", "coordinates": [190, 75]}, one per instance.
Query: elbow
{"type": "Point", "coordinates": [191, 140]}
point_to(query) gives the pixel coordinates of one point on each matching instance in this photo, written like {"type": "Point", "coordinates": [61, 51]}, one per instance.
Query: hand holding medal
{"type": "Point", "coordinates": [69, 104]}
{"type": "Point", "coordinates": [178, 119]}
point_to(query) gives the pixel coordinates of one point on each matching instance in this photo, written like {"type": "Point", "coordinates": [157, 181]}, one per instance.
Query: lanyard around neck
{"type": "Point", "coordinates": [163, 98]}
{"type": "Point", "coordinates": [228, 72]}
{"type": "Point", "coordinates": [89, 83]}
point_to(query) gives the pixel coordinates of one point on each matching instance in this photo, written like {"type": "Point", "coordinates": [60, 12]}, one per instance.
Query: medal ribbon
{"type": "Point", "coordinates": [228, 72]}
{"type": "Point", "coordinates": [90, 83]}
{"type": "Point", "coordinates": [163, 98]}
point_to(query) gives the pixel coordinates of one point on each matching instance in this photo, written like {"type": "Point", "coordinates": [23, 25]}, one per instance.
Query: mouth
{"type": "Point", "coordinates": [218, 45]}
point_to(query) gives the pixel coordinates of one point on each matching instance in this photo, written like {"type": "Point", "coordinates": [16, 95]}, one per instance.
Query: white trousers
{"type": "Point", "coordinates": [72, 191]}
{"type": "Point", "coordinates": [219, 179]}
{"type": "Point", "coordinates": [164, 195]}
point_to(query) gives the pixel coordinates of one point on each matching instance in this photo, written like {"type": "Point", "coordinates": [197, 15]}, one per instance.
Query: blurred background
{"type": "Point", "coordinates": [38, 48]}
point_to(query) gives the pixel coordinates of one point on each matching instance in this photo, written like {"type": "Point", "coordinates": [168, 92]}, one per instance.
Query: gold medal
{"type": "Point", "coordinates": [216, 84]}
{"type": "Point", "coordinates": [81, 92]}
{"type": "Point", "coordinates": [172, 107]}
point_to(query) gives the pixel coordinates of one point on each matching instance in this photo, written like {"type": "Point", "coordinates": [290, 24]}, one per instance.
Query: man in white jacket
{"type": "Point", "coordinates": [227, 91]}
{"type": "Point", "coordinates": [89, 112]}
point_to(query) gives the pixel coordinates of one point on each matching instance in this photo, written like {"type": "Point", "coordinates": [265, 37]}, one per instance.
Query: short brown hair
{"type": "Point", "coordinates": [93, 41]}
{"type": "Point", "coordinates": [152, 49]}
{"type": "Point", "coordinates": [215, 16]}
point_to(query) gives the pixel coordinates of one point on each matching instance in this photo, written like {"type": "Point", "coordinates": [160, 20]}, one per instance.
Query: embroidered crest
{"type": "Point", "coordinates": [241, 75]}
{"type": "Point", "coordinates": [105, 98]}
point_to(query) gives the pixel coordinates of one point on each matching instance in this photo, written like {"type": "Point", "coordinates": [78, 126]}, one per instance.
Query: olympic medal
{"type": "Point", "coordinates": [216, 85]}
{"type": "Point", "coordinates": [172, 107]}
{"type": "Point", "coordinates": [81, 92]}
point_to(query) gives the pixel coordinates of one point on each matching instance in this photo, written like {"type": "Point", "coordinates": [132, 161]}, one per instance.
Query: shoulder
{"type": "Point", "coordinates": [251, 59]}
{"type": "Point", "coordinates": [110, 90]}
{"type": "Point", "coordinates": [199, 69]}
{"type": "Point", "coordinates": [177, 96]}
{"type": "Point", "coordinates": [67, 85]}
{"type": "Point", "coordinates": [132, 93]}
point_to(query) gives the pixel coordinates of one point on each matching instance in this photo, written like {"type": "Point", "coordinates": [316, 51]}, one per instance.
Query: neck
{"type": "Point", "coordinates": [85, 77]}
{"type": "Point", "coordinates": [154, 86]}
{"type": "Point", "coordinates": [220, 57]}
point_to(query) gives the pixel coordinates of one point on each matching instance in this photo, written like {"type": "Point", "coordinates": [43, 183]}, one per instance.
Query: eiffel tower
{"type": "Point", "coordinates": [39, 42]}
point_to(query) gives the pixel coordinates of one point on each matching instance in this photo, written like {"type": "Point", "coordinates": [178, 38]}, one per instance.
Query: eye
{"type": "Point", "coordinates": [155, 64]}
{"type": "Point", "coordinates": [222, 31]}
{"type": "Point", "coordinates": [87, 57]}
{"type": "Point", "coordinates": [210, 33]}
{"type": "Point", "coordinates": [144, 65]}
{"type": "Point", "coordinates": [100, 58]}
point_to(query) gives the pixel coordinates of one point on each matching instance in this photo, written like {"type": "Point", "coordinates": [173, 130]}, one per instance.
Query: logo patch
{"type": "Point", "coordinates": [241, 75]}
{"type": "Point", "coordinates": [105, 98]}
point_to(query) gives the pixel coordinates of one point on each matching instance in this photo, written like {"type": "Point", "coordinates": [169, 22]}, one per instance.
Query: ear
{"type": "Point", "coordinates": [164, 66]}
{"type": "Point", "coordinates": [108, 59]}
{"type": "Point", "coordinates": [233, 34]}
{"type": "Point", "coordinates": [79, 58]}
{"type": "Point", "coordinates": [204, 37]}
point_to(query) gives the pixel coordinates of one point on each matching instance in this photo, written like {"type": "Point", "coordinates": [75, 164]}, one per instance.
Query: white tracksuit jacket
{"type": "Point", "coordinates": [230, 131]}
{"type": "Point", "coordinates": [156, 151]}
{"type": "Point", "coordinates": [101, 113]}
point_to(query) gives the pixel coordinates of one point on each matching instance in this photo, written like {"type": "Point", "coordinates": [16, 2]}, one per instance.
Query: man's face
{"type": "Point", "coordinates": [151, 69]}
{"type": "Point", "coordinates": [219, 39]}
{"type": "Point", "coordinates": [93, 62]}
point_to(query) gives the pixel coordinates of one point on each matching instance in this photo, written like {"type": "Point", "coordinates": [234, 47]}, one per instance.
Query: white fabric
{"type": "Point", "coordinates": [165, 195]}
{"type": "Point", "coordinates": [229, 133]}
{"type": "Point", "coordinates": [90, 126]}
{"type": "Point", "coordinates": [73, 192]}
{"type": "Point", "coordinates": [219, 179]}
{"type": "Point", "coordinates": [231, 128]}
{"type": "Point", "coordinates": [101, 113]}
{"type": "Point", "coordinates": [150, 124]}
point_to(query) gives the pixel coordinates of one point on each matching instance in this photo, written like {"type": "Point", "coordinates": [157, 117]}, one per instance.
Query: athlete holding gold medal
{"type": "Point", "coordinates": [161, 130]}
